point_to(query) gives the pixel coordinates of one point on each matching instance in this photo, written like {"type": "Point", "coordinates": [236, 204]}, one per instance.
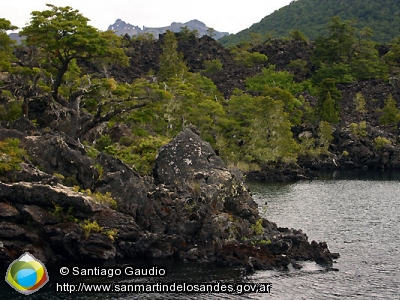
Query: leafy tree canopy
{"type": "Point", "coordinates": [393, 57]}
{"type": "Point", "coordinates": [262, 133]}
{"type": "Point", "coordinates": [63, 34]}
{"type": "Point", "coordinates": [390, 113]}
{"type": "Point", "coordinates": [347, 54]}
{"type": "Point", "coordinates": [171, 62]}
{"type": "Point", "coordinates": [6, 43]}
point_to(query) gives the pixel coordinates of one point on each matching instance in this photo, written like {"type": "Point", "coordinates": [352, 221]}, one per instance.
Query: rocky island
{"type": "Point", "coordinates": [193, 208]}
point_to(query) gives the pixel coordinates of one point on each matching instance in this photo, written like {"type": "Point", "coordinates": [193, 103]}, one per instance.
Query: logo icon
{"type": "Point", "coordinates": [27, 274]}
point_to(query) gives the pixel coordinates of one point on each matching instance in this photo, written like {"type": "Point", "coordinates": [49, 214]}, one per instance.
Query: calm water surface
{"type": "Point", "coordinates": [359, 218]}
{"type": "Point", "coordinates": [358, 215]}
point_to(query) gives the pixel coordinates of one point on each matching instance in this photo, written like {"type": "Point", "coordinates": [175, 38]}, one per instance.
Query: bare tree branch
{"type": "Point", "coordinates": [107, 117]}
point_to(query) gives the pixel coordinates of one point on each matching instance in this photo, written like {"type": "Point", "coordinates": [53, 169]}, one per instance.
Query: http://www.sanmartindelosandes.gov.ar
{"type": "Point", "coordinates": [27, 274]}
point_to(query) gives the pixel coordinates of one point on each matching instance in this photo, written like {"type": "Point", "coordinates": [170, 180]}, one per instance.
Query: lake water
{"type": "Point", "coordinates": [357, 214]}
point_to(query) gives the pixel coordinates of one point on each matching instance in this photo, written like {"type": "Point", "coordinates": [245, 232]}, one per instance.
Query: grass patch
{"type": "Point", "coordinates": [104, 199]}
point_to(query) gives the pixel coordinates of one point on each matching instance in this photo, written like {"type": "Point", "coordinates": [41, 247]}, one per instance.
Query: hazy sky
{"type": "Point", "coordinates": [223, 15]}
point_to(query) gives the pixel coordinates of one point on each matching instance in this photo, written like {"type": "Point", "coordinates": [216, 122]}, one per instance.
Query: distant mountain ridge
{"type": "Point", "coordinates": [122, 28]}
{"type": "Point", "coordinates": [311, 17]}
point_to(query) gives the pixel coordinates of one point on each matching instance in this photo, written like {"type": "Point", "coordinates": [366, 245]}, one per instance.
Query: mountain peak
{"type": "Point", "coordinates": [122, 28]}
{"type": "Point", "coordinates": [196, 22]}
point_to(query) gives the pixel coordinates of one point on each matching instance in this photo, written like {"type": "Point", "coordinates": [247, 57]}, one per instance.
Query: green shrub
{"type": "Point", "coordinates": [63, 216]}
{"type": "Point", "coordinates": [390, 112]}
{"type": "Point", "coordinates": [329, 111]}
{"type": "Point", "coordinates": [59, 176]}
{"type": "Point", "coordinates": [11, 155]}
{"type": "Point", "coordinates": [99, 169]}
{"type": "Point", "coordinates": [297, 35]}
{"type": "Point", "coordinates": [94, 227]}
{"type": "Point", "coordinates": [255, 58]}
{"type": "Point", "coordinates": [104, 199]}
{"type": "Point", "coordinates": [360, 103]}
{"type": "Point", "coordinates": [141, 155]}
{"type": "Point", "coordinates": [11, 111]}
{"type": "Point", "coordinates": [264, 242]}
{"type": "Point", "coordinates": [58, 211]}
{"type": "Point", "coordinates": [325, 135]}
{"type": "Point", "coordinates": [212, 66]}
{"type": "Point", "coordinates": [91, 152]}
{"type": "Point", "coordinates": [111, 234]}
{"type": "Point", "coordinates": [381, 142]}
{"type": "Point", "coordinates": [258, 228]}
{"type": "Point", "coordinates": [126, 140]}
{"type": "Point", "coordinates": [71, 181]}
{"type": "Point", "coordinates": [103, 142]}
{"type": "Point", "coordinates": [359, 129]}
{"type": "Point", "coordinates": [298, 67]}
{"type": "Point", "coordinates": [89, 227]}
{"type": "Point", "coordinates": [244, 57]}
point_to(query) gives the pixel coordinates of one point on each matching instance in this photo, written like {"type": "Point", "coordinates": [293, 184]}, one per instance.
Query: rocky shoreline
{"type": "Point", "coordinates": [193, 208]}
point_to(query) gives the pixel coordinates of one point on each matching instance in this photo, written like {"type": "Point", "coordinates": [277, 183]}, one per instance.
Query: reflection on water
{"type": "Point", "coordinates": [359, 174]}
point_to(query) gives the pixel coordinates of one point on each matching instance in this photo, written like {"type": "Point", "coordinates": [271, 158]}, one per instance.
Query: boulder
{"type": "Point", "coordinates": [60, 154]}
{"type": "Point", "coordinates": [188, 163]}
{"type": "Point", "coordinates": [126, 186]}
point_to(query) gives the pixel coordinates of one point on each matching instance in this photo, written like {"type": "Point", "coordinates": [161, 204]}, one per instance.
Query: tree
{"type": "Point", "coordinates": [328, 101]}
{"type": "Point", "coordinates": [390, 112]}
{"type": "Point", "coordinates": [291, 104]}
{"type": "Point", "coordinates": [347, 54]}
{"type": "Point", "coordinates": [6, 55]}
{"type": "Point", "coordinates": [63, 35]}
{"type": "Point", "coordinates": [212, 66]}
{"type": "Point", "coordinates": [272, 78]}
{"type": "Point", "coordinates": [263, 132]}
{"type": "Point", "coordinates": [256, 39]}
{"type": "Point", "coordinates": [171, 62]}
{"type": "Point", "coordinates": [393, 57]}
{"type": "Point", "coordinates": [360, 103]}
{"type": "Point", "coordinates": [341, 72]}
{"type": "Point", "coordinates": [328, 112]}
{"type": "Point", "coordinates": [325, 135]}
{"type": "Point", "coordinates": [243, 55]}
{"type": "Point", "coordinates": [299, 68]}
{"type": "Point", "coordinates": [271, 138]}
{"type": "Point", "coordinates": [187, 35]}
{"type": "Point", "coordinates": [366, 62]}
{"type": "Point", "coordinates": [297, 35]}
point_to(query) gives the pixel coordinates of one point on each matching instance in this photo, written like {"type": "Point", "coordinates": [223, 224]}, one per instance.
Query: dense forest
{"type": "Point", "coordinates": [312, 17]}
{"type": "Point", "coordinates": [258, 104]}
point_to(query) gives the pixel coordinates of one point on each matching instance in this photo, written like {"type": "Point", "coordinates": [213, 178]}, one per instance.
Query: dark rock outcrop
{"type": "Point", "coordinates": [194, 209]}
{"type": "Point", "coordinates": [215, 199]}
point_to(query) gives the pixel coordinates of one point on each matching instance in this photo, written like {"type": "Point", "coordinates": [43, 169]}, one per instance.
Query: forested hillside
{"type": "Point", "coordinates": [312, 17]}
{"type": "Point", "coordinates": [262, 105]}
